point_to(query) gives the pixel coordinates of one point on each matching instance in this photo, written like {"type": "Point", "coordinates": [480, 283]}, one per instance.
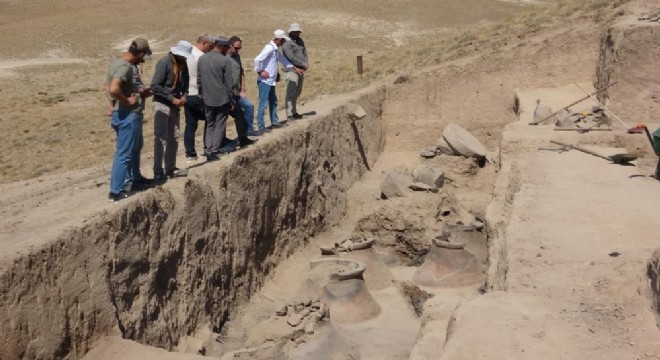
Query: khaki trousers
{"type": "Point", "coordinates": [294, 86]}
{"type": "Point", "coordinates": [166, 137]}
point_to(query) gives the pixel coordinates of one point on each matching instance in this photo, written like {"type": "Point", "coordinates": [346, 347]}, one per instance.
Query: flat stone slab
{"type": "Point", "coordinates": [443, 148]}
{"type": "Point", "coordinates": [427, 154]}
{"type": "Point", "coordinates": [418, 186]}
{"type": "Point", "coordinates": [463, 142]}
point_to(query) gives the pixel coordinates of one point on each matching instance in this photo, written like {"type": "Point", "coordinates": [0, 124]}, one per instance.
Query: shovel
{"type": "Point", "coordinates": [622, 159]}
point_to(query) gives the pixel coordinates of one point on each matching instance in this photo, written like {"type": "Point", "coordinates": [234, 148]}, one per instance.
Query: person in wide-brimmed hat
{"type": "Point", "coordinates": [296, 53]}
{"type": "Point", "coordinates": [170, 87]}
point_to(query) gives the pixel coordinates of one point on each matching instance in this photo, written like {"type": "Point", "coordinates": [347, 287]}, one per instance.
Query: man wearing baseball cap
{"type": "Point", "coordinates": [126, 116]}
{"type": "Point", "coordinates": [214, 84]}
{"type": "Point", "coordinates": [170, 87]}
{"type": "Point", "coordinates": [265, 65]}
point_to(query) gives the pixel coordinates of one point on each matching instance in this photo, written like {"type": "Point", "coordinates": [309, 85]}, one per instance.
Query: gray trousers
{"type": "Point", "coordinates": [215, 128]}
{"type": "Point", "coordinates": [294, 86]}
{"type": "Point", "coordinates": [166, 137]}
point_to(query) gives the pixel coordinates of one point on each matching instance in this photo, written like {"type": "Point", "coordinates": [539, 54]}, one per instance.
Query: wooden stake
{"type": "Point", "coordinates": [360, 68]}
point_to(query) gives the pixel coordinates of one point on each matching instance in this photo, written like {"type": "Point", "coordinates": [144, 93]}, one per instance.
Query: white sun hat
{"type": "Point", "coordinates": [182, 48]}
{"type": "Point", "coordinates": [295, 27]}
{"type": "Point", "coordinates": [280, 34]}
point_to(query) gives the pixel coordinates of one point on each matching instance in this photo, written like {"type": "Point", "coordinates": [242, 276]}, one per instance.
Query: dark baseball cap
{"type": "Point", "coordinates": [221, 41]}
{"type": "Point", "coordinates": [140, 45]}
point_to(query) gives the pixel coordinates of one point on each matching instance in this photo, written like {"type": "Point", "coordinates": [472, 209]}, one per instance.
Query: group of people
{"type": "Point", "coordinates": [207, 81]}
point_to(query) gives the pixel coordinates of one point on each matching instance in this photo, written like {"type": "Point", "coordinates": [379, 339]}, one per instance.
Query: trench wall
{"type": "Point", "coordinates": [180, 257]}
{"type": "Point", "coordinates": [628, 56]}
{"type": "Point", "coordinates": [654, 280]}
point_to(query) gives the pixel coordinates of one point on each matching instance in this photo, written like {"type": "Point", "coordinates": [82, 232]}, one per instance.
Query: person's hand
{"type": "Point", "coordinates": [132, 100]}
{"type": "Point", "coordinates": [184, 100]}
{"type": "Point", "coordinates": [146, 93]}
{"type": "Point", "coordinates": [299, 71]}
{"type": "Point", "coordinates": [243, 93]}
{"type": "Point", "coordinates": [111, 108]}
{"type": "Point", "coordinates": [177, 102]}
{"type": "Point", "coordinates": [264, 74]}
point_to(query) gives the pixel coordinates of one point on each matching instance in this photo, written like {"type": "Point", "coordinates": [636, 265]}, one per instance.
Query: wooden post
{"type": "Point", "coordinates": [360, 68]}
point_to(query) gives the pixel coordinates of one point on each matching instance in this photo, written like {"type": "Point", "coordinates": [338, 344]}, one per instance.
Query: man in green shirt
{"type": "Point", "coordinates": [126, 116]}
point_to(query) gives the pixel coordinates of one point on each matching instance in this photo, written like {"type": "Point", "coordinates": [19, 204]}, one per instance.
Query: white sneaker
{"type": "Point", "coordinates": [192, 159]}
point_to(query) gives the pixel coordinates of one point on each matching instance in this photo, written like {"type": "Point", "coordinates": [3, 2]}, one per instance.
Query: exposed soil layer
{"type": "Point", "coordinates": [654, 277]}
{"type": "Point", "coordinates": [628, 56]}
{"type": "Point", "coordinates": [567, 269]}
{"type": "Point", "coordinates": [185, 255]}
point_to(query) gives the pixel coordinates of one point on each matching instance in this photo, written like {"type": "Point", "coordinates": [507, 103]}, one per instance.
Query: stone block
{"type": "Point", "coordinates": [356, 112]}
{"type": "Point", "coordinates": [430, 175]}
{"type": "Point", "coordinates": [394, 185]}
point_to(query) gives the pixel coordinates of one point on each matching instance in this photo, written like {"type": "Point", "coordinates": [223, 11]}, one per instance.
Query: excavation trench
{"type": "Point", "coordinates": [183, 256]}
{"type": "Point", "coordinates": [183, 259]}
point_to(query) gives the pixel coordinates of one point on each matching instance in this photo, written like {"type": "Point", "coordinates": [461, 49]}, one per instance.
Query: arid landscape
{"type": "Point", "coordinates": [48, 111]}
{"type": "Point", "coordinates": [416, 216]}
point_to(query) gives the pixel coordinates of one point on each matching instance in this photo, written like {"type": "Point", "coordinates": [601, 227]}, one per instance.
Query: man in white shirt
{"type": "Point", "coordinates": [265, 65]}
{"type": "Point", "coordinates": [194, 108]}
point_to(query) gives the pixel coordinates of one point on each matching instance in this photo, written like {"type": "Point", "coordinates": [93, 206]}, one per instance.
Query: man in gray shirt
{"type": "Point", "coordinates": [296, 53]}
{"type": "Point", "coordinates": [214, 82]}
{"type": "Point", "coordinates": [126, 114]}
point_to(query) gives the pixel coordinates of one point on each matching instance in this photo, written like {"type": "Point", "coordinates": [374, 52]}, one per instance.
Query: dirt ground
{"type": "Point", "coordinates": [54, 116]}
{"type": "Point", "coordinates": [475, 92]}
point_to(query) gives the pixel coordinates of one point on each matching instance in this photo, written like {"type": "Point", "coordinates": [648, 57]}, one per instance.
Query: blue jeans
{"type": "Point", "coordinates": [248, 108]}
{"type": "Point", "coordinates": [267, 96]}
{"type": "Point", "coordinates": [127, 125]}
{"type": "Point", "coordinates": [133, 172]}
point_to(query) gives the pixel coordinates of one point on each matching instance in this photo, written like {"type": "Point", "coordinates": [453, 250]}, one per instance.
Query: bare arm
{"type": "Point", "coordinates": [114, 89]}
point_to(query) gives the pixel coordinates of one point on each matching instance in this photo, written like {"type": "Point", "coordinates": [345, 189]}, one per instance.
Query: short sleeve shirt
{"type": "Point", "coordinates": [123, 70]}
